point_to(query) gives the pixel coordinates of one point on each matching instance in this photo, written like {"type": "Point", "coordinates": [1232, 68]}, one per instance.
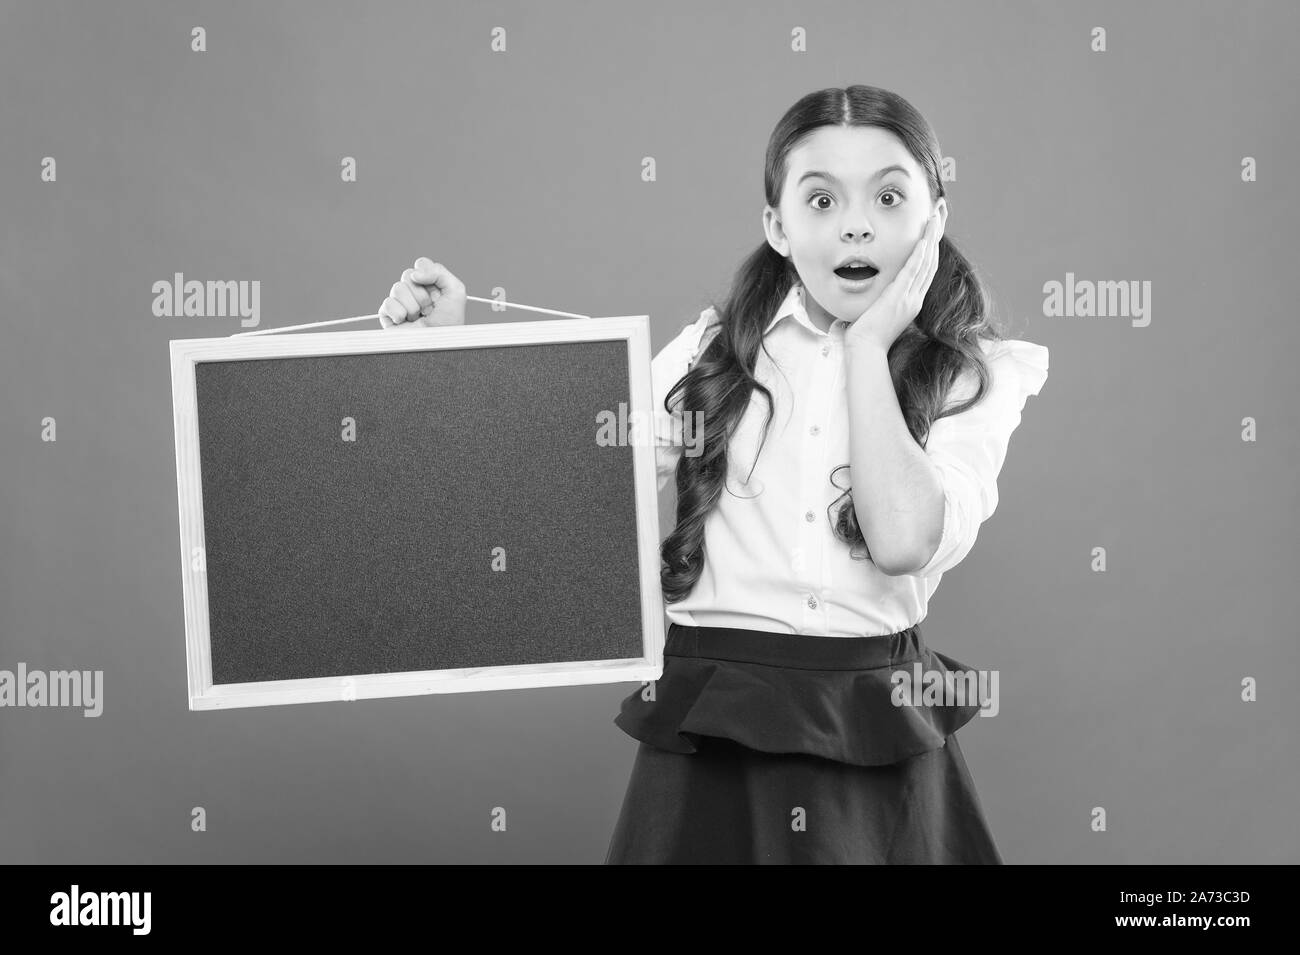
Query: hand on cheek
{"type": "Point", "coordinates": [900, 302]}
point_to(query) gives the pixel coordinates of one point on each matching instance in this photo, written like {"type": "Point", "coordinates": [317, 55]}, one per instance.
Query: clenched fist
{"type": "Point", "coordinates": [426, 295]}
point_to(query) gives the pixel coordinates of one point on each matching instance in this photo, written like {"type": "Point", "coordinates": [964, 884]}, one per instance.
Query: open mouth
{"type": "Point", "coordinates": [856, 273]}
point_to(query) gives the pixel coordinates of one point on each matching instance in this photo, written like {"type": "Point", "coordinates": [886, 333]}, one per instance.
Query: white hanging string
{"type": "Point", "coordinates": [362, 318]}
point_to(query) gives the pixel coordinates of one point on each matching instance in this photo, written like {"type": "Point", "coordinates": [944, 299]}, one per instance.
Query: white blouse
{"type": "Point", "coordinates": [772, 561]}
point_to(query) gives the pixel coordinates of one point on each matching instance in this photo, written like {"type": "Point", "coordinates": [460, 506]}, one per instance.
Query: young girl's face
{"type": "Point", "coordinates": [841, 198]}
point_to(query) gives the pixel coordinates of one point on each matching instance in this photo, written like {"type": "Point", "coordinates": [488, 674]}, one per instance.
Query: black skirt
{"type": "Point", "coordinates": [760, 747]}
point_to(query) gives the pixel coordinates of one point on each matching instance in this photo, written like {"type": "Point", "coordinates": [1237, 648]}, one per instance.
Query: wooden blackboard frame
{"type": "Point", "coordinates": [187, 353]}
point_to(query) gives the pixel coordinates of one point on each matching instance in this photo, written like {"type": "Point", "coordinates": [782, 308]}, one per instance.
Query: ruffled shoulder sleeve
{"type": "Point", "coordinates": [676, 431]}
{"type": "Point", "coordinates": [1017, 370]}
{"type": "Point", "coordinates": [968, 449]}
{"type": "Point", "coordinates": [1028, 359]}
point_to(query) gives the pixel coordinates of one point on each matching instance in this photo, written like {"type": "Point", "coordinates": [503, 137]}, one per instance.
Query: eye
{"type": "Point", "coordinates": [889, 190]}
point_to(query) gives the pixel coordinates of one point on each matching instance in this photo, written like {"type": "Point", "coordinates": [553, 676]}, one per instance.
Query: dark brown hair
{"type": "Point", "coordinates": [924, 361]}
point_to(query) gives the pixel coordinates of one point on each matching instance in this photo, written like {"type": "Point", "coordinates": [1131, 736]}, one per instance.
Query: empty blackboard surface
{"type": "Point", "coordinates": [416, 510]}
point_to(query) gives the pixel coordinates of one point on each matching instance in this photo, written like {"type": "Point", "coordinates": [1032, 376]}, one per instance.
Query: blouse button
{"type": "Point", "coordinates": [826, 350]}
{"type": "Point", "coordinates": [812, 602]}
{"type": "Point", "coordinates": [810, 517]}
{"type": "Point", "coordinates": [815, 429]}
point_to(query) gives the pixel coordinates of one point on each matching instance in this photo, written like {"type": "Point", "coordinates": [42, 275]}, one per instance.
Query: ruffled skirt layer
{"type": "Point", "coordinates": [760, 747]}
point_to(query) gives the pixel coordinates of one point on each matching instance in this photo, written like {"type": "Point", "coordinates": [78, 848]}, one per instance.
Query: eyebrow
{"type": "Point", "coordinates": [828, 176]}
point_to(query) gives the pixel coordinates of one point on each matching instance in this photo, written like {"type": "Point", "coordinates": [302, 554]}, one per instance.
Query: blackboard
{"type": "Point", "coordinates": [406, 511]}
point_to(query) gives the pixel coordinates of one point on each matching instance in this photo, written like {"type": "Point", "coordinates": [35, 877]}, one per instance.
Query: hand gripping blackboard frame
{"type": "Point", "coordinates": [187, 357]}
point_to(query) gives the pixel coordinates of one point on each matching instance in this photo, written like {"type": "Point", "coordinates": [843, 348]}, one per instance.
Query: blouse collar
{"type": "Point", "coordinates": [793, 306]}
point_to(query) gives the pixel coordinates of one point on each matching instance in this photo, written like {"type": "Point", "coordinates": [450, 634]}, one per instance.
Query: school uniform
{"type": "Point", "coordinates": [773, 735]}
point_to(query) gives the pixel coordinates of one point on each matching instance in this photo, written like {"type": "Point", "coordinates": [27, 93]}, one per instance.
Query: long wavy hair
{"type": "Point", "coordinates": [924, 361]}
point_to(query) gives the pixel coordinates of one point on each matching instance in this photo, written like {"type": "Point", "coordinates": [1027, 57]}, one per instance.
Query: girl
{"type": "Point", "coordinates": [855, 340]}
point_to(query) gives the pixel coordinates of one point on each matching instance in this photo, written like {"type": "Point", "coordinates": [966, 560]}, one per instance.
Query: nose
{"type": "Point", "coordinates": [864, 232]}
